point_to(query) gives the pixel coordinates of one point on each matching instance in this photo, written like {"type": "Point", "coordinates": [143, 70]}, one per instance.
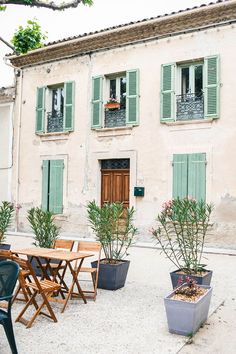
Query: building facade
{"type": "Point", "coordinates": [7, 96]}
{"type": "Point", "coordinates": [170, 134]}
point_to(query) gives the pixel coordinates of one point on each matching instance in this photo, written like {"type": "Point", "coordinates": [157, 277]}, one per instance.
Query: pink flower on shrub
{"type": "Point", "coordinates": [167, 204]}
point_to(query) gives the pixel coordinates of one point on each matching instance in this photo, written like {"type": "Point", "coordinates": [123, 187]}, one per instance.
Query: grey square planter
{"type": "Point", "coordinates": [201, 280]}
{"type": "Point", "coordinates": [112, 276]}
{"type": "Point", "coordinates": [184, 317]}
{"type": "Point", "coordinates": [6, 247]}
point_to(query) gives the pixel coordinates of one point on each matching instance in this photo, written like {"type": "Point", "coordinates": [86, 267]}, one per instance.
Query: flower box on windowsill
{"type": "Point", "coordinates": [114, 105]}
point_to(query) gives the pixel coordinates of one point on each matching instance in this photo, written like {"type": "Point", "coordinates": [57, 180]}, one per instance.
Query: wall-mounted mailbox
{"type": "Point", "coordinates": [139, 191]}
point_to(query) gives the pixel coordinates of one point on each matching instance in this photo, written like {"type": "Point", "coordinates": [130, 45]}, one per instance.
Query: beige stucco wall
{"type": "Point", "coordinates": [6, 131]}
{"type": "Point", "coordinates": [150, 146]}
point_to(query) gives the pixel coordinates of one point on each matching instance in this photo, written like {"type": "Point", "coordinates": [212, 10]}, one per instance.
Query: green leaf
{"type": "Point", "coordinates": [28, 38]}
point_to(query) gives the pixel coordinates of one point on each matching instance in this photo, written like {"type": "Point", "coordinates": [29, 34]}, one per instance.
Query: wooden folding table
{"type": "Point", "coordinates": [62, 256]}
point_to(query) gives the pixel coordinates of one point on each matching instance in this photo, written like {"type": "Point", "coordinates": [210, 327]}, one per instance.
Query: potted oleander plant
{"type": "Point", "coordinates": [182, 228]}
{"type": "Point", "coordinates": [45, 231]}
{"type": "Point", "coordinates": [6, 215]}
{"type": "Point", "coordinates": [113, 226]}
{"type": "Point", "coordinates": [187, 306]}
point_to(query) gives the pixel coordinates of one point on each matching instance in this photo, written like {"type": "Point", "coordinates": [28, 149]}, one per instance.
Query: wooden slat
{"type": "Point", "coordinates": [89, 246]}
{"type": "Point", "coordinates": [64, 244]}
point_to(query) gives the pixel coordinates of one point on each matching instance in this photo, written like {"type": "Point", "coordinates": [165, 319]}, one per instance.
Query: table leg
{"type": "Point", "coordinates": [74, 273]}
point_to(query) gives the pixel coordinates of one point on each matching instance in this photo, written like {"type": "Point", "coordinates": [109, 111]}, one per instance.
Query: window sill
{"type": "Point", "coordinates": [118, 131]}
{"type": "Point", "coordinates": [54, 136]}
{"type": "Point", "coordinates": [187, 122]}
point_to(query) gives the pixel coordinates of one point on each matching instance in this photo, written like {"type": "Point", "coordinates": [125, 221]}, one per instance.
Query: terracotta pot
{"type": "Point", "coordinates": [112, 105]}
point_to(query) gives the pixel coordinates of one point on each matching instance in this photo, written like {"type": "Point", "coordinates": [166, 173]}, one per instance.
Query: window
{"type": "Point", "coordinates": [190, 90]}
{"type": "Point", "coordinates": [55, 108]}
{"type": "Point", "coordinates": [189, 101]}
{"type": "Point", "coordinates": [191, 79]}
{"type": "Point", "coordinates": [52, 186]}
{"type": "Point", "coordinates": [124, 88]}
{"type": "Point", "coordinates": [117, 90]}
{"type": "Point", "coordinates": [189, 176]}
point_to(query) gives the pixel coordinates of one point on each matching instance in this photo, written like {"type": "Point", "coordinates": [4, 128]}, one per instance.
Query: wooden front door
{"type": "Point", "coordinates": [115, 186]}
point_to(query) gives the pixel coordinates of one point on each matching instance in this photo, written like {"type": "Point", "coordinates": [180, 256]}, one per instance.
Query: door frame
{"type": "Point", "coordinates": [107, 155]}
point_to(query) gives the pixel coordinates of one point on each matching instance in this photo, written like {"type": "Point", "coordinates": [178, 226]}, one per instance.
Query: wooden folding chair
{"type": "Point", "coordinates": [56, 266]}
{"type": "Point", "coordinates": [34, 287]}
{"type": "Point", "coordinates": [7, 254]}
{"type": "Point", "coordinates": [94, 247]}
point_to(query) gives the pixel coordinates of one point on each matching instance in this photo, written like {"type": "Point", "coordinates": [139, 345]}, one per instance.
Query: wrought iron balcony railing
{"type": "Point", "coordinates": [115, 118]}
{"type": "Point", "coordinates": [190, 106]}
{"type": "Point", "coordinates": [54, 122]}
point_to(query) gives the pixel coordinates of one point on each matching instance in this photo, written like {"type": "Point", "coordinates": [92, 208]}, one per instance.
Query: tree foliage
{"type": "Point", "coordinates": [28, 38]}
{"type": "Point", "coordinates": [44, 3]}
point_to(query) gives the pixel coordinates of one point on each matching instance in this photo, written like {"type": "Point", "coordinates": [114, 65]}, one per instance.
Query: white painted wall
{"type": "Point", "coordinates": [150, 146]}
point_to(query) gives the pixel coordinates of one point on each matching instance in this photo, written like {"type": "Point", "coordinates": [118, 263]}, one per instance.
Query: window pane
{"type": "Point", "coordinates": [57, 100]}
{"type": "Point", "coordinates": [184, 81]}
{"type": "Point", "coordinates": [198, 79]}
{"type": "Point", "coordinates": [123, 92]}
{"type": "Point", "coordinates": [113, 88]}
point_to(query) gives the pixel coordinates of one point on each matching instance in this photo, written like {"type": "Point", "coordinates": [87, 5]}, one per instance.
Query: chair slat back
{"type": "Point", "coordinates": [64, 244]}
{"type": "Point", "coordinates": [86, 246]}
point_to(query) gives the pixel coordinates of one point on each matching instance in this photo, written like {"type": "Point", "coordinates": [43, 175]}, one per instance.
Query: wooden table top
{"type": "Point", "coordinates": [52, 253]}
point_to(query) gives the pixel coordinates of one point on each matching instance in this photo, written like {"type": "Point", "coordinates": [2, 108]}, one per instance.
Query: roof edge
{"type": "Point", "coordinates": [77, 44]}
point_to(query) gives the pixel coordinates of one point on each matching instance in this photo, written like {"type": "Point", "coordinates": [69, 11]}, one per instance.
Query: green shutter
{"type": "Point", "coordinates": [56, 186]}
{"type": "Point", "coordinates": [197, 176]}
{"type": "Point", "coordinates": [132, 97]}
{"type": "Point", "coordinates": [212, 85]}
{"type": "Point", "coordinates": [68, 119]}
{"type": "Point", "coordinates": [180, 175]}
{"type": "Point", "coordinates": [167, 92]}
{"type": "Point", "coordinates": [40, 110]}
{"type": "Point", "coordinates": [97, 102]}
{"type": "Point", "coordinates": [45, 171]}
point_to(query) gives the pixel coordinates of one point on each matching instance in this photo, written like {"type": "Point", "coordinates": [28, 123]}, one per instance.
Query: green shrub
{"type": "Point", "coordinates": [6, 213]}
{"type": "Point", "coordinates": [43, 226]}
{"type": "Point", "coordinates": [113, 227]}
{"type": "Point", "coordinates": [183, 225]}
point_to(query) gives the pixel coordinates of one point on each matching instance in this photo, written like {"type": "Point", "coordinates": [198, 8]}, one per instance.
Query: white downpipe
{"type": "Point", "coordinates": [10, 151]}
{"type": "Point", "coordinates": [17, 159]}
